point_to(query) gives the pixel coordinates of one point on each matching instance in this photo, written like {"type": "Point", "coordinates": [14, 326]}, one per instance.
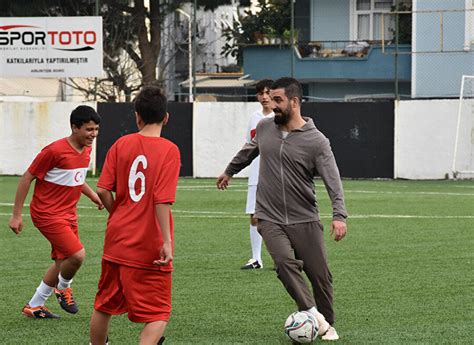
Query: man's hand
{"type": "Point", "coordinates": [223, 181]}
{"type": "Point", "coordinates": [338, 229]}
{"type": "Point", "coordinates": [16, 224]}
{"type": "Point", "coordinates": [166, 255]}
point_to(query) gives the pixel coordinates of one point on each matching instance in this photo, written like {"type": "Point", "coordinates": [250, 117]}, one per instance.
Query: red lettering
{"type": "Point", "coordinates": [52, 34]}
{"type": "Point", "coordinates": [76, 34]}
{"type": "Point", "coordinates": [92, 38]}
{"type": "Point", "coordinates": [65, 37]}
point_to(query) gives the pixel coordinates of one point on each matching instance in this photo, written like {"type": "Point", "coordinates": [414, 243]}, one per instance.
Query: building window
{"type": "Point", "coordinates": [367, 20]}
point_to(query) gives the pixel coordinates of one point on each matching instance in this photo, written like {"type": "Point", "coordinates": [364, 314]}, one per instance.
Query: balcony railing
{"type": "Point", "coordinates": [329, 60]}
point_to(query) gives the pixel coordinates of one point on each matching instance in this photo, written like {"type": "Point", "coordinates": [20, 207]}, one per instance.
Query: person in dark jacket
{"type": "Point", "coordinates": [292, 152]}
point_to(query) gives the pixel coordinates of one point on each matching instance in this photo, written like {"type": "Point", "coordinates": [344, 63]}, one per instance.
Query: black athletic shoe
{"type": "Point", "coordinates": [66, 300]}
{"type": "Point", "coordinates": [40, 312]}
{"type": "Point", "coordinates": [251, 265]}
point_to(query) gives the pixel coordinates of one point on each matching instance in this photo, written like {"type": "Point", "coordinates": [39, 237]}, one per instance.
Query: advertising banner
{"type": "Point", "coordinates": [51, 47]}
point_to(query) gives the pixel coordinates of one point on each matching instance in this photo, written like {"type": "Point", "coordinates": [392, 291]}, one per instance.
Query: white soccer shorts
{"type": "Point", "coordinates": [251, 199]}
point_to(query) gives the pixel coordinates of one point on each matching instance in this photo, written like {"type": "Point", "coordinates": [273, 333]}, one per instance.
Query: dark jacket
{"type": "Point", "coordinates": [285, 192]}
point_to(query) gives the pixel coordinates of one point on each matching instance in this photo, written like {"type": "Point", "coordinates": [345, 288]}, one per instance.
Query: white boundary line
{"type": "Point", "coordinates": [220, 215]}
{"type": "Point", "coordinates": [346, 191]}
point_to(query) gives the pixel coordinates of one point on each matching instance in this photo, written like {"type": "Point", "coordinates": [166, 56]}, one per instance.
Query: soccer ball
{"type": "Point", "coordinates": [301, 327]}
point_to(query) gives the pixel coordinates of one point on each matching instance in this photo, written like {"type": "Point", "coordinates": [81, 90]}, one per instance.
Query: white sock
{"type": "Point", "coordinates": [63, 283]}
{"type": "Point", "coordinates": [42, 293]}
{"type": "Point", "coordinates": [323, 325]}
{"type": "Point", "coordinates": [256, 243]}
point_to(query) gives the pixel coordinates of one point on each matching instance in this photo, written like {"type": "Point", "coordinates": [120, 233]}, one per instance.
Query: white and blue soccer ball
{"type": "Point", "coordinates": [301, 327]}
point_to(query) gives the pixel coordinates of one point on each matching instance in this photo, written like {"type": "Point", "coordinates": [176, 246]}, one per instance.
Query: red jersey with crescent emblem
{"type": "Point", "coordinates": [60, 172]}
{"type": "Point", "coordinates": [142, 171]}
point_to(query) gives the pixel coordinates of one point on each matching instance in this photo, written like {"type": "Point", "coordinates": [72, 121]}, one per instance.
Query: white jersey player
{"type": "Point", "coordinates": [263, 96]}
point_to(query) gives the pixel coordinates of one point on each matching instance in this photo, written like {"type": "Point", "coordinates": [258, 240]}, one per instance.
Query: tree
{"type": "Point", "coordinates": [130, 33]}
{"type": "Point", "coordinates": [273, 18]}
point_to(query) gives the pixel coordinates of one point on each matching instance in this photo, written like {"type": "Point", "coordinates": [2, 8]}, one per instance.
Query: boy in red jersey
{"type": "Point", "coordinates": [142, 169]}
{"type": "Point", "coordinates": [60, 171]}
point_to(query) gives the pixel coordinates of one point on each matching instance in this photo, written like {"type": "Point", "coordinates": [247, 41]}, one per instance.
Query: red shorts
{"type": "Point", "coordinates": [144, 294]}
{"type": "Point", "coordinates": [64, 239]}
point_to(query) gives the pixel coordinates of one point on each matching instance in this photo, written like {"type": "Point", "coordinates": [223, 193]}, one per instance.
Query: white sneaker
{"type": "Point", "coordinates": [252, 265]}
{"type": "Point", "coordinates": [323, 325]}
{"type": "Point", "coordinates": [330, 334]}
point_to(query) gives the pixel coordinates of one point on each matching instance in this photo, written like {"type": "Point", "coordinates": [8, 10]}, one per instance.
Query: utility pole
{"type": "Point", "coordinates": [190, 48]}
{"type": "Point", "coordinates": [194, 45]}
{"type": "Point", "coordinates": [292, 39]}
{"type": "Point", "coordinates": [95, 79]}
{"type": "Point", "coordinates": [397, 33]}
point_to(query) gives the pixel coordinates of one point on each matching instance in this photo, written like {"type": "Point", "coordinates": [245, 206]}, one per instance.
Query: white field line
{"type": "Point", "coordinates": [220, 215]}
{"type": "Point", "coordinates": [346, 191]}
{"type": "Point", "coordinates": [463, 186]}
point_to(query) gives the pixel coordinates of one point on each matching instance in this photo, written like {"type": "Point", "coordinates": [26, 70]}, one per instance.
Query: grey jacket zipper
{"type": "Point", "coordinates": [283, 180]}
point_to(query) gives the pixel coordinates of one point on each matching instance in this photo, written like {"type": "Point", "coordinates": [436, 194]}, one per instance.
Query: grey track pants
{"type": "Point", "coordinates": [296, 248]}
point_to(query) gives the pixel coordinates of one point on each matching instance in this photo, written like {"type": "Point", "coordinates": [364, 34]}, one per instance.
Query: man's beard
{"type": "Point", "coordinates": [282, 119]}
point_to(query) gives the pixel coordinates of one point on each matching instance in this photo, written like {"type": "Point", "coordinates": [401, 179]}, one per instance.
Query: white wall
{"type": "Point", "coordinates": [425, 133]}
{"type": "Point", "coordinates": [219, 132]}
{"type": "Point", "coordinates": [25, 128]}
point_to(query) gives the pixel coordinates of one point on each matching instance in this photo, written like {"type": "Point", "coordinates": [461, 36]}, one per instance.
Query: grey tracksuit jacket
{"type": "Point", "coordinates": [285, 192]}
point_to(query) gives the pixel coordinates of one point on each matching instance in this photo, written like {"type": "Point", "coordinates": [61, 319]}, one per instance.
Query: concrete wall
{"type": "Point", "coordinates": [25, 128]}
{"type": "Point", "coordinates": [423, 146]}
{"type": "Point", "coordinates": [425, 133]}
{"type": "Point", "coordinates": [219, 131]}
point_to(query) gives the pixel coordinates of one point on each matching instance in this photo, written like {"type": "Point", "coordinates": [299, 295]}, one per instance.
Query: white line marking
{"type": "Point", "coordinates": [346, 191]}
{"type": "Point", "coordinates": [220, 215]}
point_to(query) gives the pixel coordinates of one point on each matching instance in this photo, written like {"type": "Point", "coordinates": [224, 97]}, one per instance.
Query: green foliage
{"type": "Point", "coordinates": [271, 20]}
{"type": "Point", "coordinates": [39, 8]}
{"type": "Point", "coordinates": [123, 22]}
{"type": "Point", "coordinates": [403, 274]}
{"type": "Point", "coordinates": [404, 23]}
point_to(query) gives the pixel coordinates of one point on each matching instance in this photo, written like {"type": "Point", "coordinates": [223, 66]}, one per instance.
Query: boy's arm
{"type": "Point", "coordinates": [87, 191]}
{"type": "Point", "coordinates": [106, 197]}
{"type": "Point", "coordinates": [16, 221]}
{"type": "Point", "coordinates": [163, 215]}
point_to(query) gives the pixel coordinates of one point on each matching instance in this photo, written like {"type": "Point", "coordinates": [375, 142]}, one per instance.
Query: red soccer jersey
{"type": "Point", "coordinates": [142, 171]}
{"type": "Point", "coordinates": [60, 172]}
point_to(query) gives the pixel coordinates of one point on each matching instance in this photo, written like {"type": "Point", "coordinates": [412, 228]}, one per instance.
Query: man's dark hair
{"type": "Point", "coordinates": [292, 87]}
{"type": "Point", "coordinates": [151, 104]}
{"type": "Point", "coordinates": [262, 84]}
{"type": "Point", "coordinates": [83, 114]}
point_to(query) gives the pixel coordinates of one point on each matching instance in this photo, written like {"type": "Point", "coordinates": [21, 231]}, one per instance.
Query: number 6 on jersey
{"type": "Point", "coordinates": [137, 175]}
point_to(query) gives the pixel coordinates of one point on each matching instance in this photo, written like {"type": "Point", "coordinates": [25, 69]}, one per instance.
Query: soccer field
{"type": "Point", "coordinates": [403, 275]}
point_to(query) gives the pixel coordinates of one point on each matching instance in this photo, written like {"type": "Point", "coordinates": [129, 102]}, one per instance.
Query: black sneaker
{"type": "Point", "coordinates": [40, 312]}
{"type": "Point", "coordinates": [251, 265]}
{"type": "Point", "coordinates": [66, 300]}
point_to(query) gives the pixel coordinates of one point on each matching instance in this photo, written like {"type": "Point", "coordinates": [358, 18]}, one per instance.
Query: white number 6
{"type": "Point", "coordinates": [137, 175]}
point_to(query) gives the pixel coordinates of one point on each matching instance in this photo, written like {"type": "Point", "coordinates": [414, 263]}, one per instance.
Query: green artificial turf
{"type": "Point", "coordinates": [403, 275]}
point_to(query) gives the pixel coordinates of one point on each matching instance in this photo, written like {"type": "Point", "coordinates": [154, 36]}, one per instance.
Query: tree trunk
{"type": "Point", "coordinates": [149, 41]}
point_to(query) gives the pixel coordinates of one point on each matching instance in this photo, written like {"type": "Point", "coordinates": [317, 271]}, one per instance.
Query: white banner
{"type": "Point", "coordinates": [51, 47]}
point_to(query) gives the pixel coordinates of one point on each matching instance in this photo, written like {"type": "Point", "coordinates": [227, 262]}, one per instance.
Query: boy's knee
{"type": "Point", "coordinates": [78, 257]}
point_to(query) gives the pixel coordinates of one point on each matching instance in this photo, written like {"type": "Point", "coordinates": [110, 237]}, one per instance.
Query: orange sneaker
{"type": "Point", "coordinates": [66, 300]}
{"type": "Point", "coordinates": [40, 312]}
